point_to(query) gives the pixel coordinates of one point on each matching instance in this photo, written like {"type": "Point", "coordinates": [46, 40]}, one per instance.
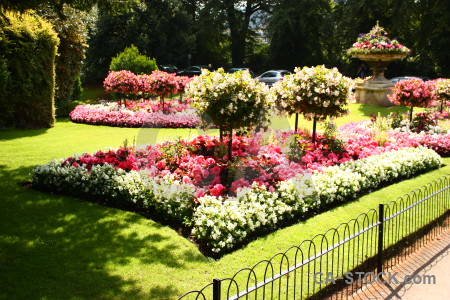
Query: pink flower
{"type": "Point", "coordinates": [161, 164]}
{"type": "Point", "coordinates": [241, 182]}
{"type": "Point", "coordinates": [217, 190]}
{"type": "Point", "coordinates": [199, 193]}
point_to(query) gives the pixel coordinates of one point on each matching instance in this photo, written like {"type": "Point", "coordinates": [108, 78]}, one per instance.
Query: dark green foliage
{"type": "Point", "coordinates": [158, 28]}
{"type": "Point", "coordinates": [77, 90]}
{"type": "Point", "coordinates": [4, 73]}
{"type": "Point", "coordinates": [58, 5]}
{"type": "Point", "coordinates": [131, 60]}
{"type": "Point", "coordinates": [300, 33]}
{"type": "Point", "coordinates": [28, 44]}
{"type": "Point", "coordinates": [72, 33]}
{"type": "Point", "coordinates": [308, 32]}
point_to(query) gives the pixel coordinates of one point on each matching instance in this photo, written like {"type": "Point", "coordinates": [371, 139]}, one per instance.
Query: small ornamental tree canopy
{"type": "Point", "coordinates": [124, 83]}
{"type": "Point", "coordinates": [316, 92]}
{"type": "Point", "coordinates": [145, 85]}
{"type": "Point", "coordinates": [443, 92]}
{"type": "Point", "coordinates": [376, 41]}
{"type": "Point", "coordinates": [414, 93]}
{"type": "Point", "coordinates": [162, 84]}
{"type": "Point", "coordinates": [229, 101]}
{"type": "Point", "coordinates": [182, 82]}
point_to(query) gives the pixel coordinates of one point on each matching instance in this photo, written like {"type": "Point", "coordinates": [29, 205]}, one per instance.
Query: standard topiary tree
{"type": "Point", "coordinates": [131, 60]}
{"type": "Point", "coordinates": [229, 101]}
{"type": "Point", "coordinates": [123, 84]}
{"type": "Point", "coordinates": [28, 47]}
{"type": "Point", "coordinates": [162, 84]}
{"type": "Point", "coordinates": [317, 93]}
{"type": "Point", "coordinates": [413, 93]}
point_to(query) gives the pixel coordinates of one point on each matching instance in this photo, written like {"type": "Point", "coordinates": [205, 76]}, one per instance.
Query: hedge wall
{"type": "Point", "coordinates": [28, 47]}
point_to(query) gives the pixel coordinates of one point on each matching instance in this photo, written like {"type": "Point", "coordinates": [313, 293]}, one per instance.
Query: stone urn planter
{"type": "Point", "coordinates": [374, 90]}
{"type": "Point", "coordinates": [378, 51]}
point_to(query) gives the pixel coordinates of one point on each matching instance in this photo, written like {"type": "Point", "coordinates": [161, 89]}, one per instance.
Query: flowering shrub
{"type": "Point", "coordinates": [413, 93]}
{"type": "Point", "coordinates": [317, 93]}
{"type": "Point", "coordinates": [376, 41]}
{"type": "Point", "coordinates": [122, 82]}
{"type": "Point", "coordinates": [162, 84]}
{"type": "Point", "coordinates": [146, 114]}
{"type": "Point", "coordinates": [229, 101]}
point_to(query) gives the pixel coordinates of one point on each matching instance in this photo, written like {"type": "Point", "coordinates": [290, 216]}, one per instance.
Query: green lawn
{"type": "Point", "coordinates": [58, 247]}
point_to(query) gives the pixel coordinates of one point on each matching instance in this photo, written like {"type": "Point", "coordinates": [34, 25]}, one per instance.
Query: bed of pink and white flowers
{"type": "Point", "coordinates": [147, 113]}
{"type": "Point", "coordinates": [433, 138]}
{"type": "Point", "coordinates": [225, 203]}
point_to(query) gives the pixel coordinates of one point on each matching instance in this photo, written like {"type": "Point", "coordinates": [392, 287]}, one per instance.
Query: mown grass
{"type": "Point", "coordinates": [59, 247]}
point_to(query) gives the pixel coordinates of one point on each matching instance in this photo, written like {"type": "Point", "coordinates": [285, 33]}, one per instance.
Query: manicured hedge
{"type": "Point", "coordinates": [28, 47]}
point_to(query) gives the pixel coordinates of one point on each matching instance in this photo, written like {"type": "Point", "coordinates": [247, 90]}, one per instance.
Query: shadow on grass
{"type": "Point", "coordinates": [58, 247]}
{"type": "Point", "coordinates": [367, 110]}
{"type": "Point", "coordinates": [13, 133]}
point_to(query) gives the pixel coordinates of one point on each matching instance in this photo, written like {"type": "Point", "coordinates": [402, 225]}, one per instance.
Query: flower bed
{"type": "Point", "coordinates": [147, 114]}
{"type": "Point", "coordinates": [222, 224]}
{"type": "Point", "coordinates": [226, 203]}
{"type": "Point", "coordinates": [400, 137]}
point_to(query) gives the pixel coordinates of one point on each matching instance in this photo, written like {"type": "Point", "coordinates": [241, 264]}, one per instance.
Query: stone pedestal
{"type": "Point", "coordinates": [374, 91]}
{"type": "Point", "coordinates": [371, 93]}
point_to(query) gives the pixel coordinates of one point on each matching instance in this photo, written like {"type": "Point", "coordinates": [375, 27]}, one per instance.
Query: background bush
{"type": "Point", "coordinates": [28, 45]}
{"type": "Point", "coordinates": [77, 89]}
{"type": "Point", "coordinates": [131, 60]}
{"type": "Point", "coordinates": [72, 34]}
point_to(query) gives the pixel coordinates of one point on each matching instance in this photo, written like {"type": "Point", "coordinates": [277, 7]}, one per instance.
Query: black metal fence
{"type": "Point", "coordinates": [370, 243]}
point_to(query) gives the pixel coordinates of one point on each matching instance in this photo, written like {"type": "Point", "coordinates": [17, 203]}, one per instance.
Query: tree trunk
{"type": "Point", "coordinates": [296, 122]}
{"type": "Point", "coordinates": [411, 115]}
{"type": "Point", "coordinates": [314, 130]}
{"type": "Point", "coordinates": [238, 30]}
{"type": "Point", "coordinates": [161, 100]}
{"type": "Point", "coordinates": [230, 145]}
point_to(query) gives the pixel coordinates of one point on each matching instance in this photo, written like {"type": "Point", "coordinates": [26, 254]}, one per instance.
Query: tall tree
{"type": "Point", "coordinates": [299, 33]}
{"type": "Point", "coordinates": [238, 15]}
{"type": "Point", "coordinates": [211, 38]}
{"type": "Point", "coordinates": [160, 29]}
{"type": "Point", "coordinates": [72, 34]}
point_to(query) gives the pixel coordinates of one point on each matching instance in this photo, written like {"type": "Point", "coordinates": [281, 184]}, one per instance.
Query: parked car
{"type": "Point", "coordinates": [272, 76]}
{"type": "Point", "coordinates": [401, 78]}
{"type": "Point", "coordinates": [192, 71]}
{"type": "Point", "coordinates": [233, 70]}
{"type": "Point", "coordinates": [168, 68]}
